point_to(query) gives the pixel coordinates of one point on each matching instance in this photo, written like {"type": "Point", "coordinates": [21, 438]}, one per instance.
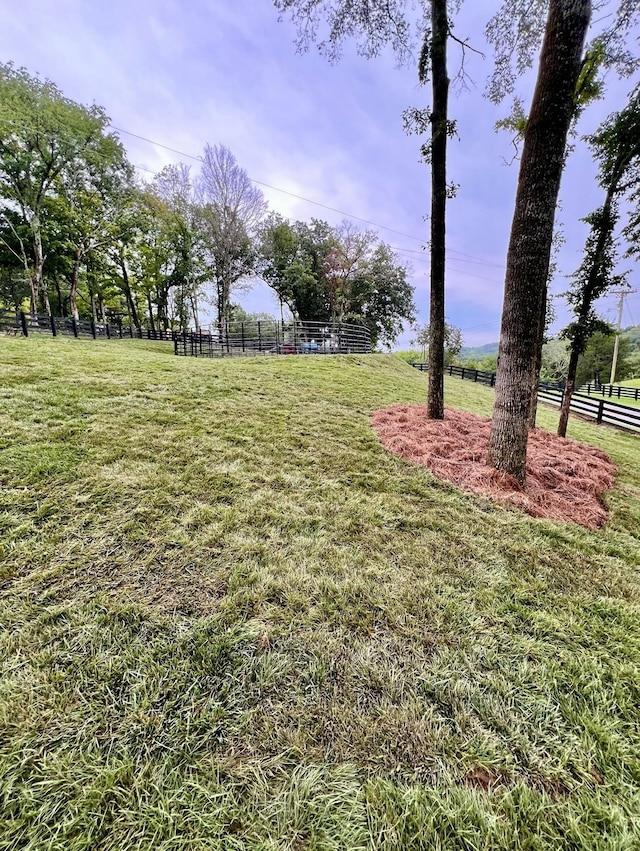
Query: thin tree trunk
{"type": "Point", "coordinates": [60, 299]}
{"type": "Point", "coordinates": [45, 299]}
{"type": "Point", "coordinates": [94, 312]}
{"type": "Point", "coordinates": [127, 293]}
{"type": "Point", "coordinates": [532, 231]}
{"type": "Point", "coordinates": [579, 341]}
{"type": "Point", "coordinates": [38, 266]}
{"type": "Point", "coordinates": [565, 407]}
{"type": "Point", "coordinates": [150, 304]}
{"type": "Point", "coordinates": [440, 88]}
{"type": "Point", "coordinates": [194, 310]}
{"type": "Point", "coordinates": [73, 290]}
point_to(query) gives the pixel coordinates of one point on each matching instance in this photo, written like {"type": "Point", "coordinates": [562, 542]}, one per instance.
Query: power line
{"type": "Point", "coordinates": [453, 251]}
{"type": "Point", "coordinates": [452, 268]}
{"type": "Point", "coordinates": [302, 198]}
{"type": "Point", "coordinates": [275, 188]}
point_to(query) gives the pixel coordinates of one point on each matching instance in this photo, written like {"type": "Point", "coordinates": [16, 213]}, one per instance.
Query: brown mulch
{"type": "Point", "coordinates": [565, 479]}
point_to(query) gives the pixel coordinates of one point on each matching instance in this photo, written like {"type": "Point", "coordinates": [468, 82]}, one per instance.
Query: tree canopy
{"type": "Point", "coordinates": [338, 274]}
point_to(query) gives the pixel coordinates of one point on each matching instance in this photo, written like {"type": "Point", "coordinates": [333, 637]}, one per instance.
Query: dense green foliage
{"type": "Point", "coordinates": [595, 361]}
{"type": "Point", "coordinates": [231, 620]}
{"type": "Point", "coordinates": [81, 236]}
{"type": "Point", "coordinates": [342, 274]}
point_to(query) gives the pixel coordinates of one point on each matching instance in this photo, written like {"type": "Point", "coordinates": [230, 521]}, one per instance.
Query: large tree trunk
{"type": "Point", "coordinates": [532, 231]}
{"type": "Point", "coordinates": [535, 377]}
{"type": "Point", "coordinates": [440, 87]}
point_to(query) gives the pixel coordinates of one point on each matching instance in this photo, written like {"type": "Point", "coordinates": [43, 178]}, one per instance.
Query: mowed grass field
{"type": "Point", "coordinates": [231, 620]}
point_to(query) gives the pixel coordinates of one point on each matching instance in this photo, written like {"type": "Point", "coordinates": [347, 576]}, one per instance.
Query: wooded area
{"type": "Point", "coordinates": [81, 236]}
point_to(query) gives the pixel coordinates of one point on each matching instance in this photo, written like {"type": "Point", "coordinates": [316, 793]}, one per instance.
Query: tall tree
{"type": "Point", "coordinates": [515, 32]}
{"type": "Point", "coordinates": [531, 237]}
{"type": "Point", "coordinates": [87, 195]}
{"type": "Point", "coordinates": [439, 133]}
{"type": "Point", "coordinates": [231, 211]}
{"type": "Point", "coordinates": [616, 146]}
{"type": "Point", "coordinates": [330, 274]}
{"type": "Point", "coordinates": [187, 272]}
{"type": "Point", "coordinates": [376, 23]}
{"type": "Point", "coordinates": [294, 259]}
{"type": "Point", "coordinates": [43, 137]}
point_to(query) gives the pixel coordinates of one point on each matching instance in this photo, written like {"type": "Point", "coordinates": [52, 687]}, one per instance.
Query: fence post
{"type": "Point", "coordinates": [475, 375]}
{"type": "Point", "coordinates": [492, 382]}
{"type": "Point", "coordinates": [74, 326]}
{"type": "Point", "coordinates": [94, 333]}
{"type": "Point", "coordinates": [52, 322]}
{"type": "Point", "coordinates": [259, 337]}
{"type": "Point", "coordinates": [108, 330]}
{"type": "Point", "coordinates": [23, 322]}
{"type": "Point", "coordinates": [242, 335]}
{"type": "Point", "coordinates": [600, 411]}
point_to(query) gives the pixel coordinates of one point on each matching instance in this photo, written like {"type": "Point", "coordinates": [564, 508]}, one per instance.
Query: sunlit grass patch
{"type": "Point", "coordinates": [230, 619]}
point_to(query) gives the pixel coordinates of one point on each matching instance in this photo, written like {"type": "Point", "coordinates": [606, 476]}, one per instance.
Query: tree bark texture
{"type": "Point", "coordinates": [532, 231]}
{"type": "Point", "coordinates": [535, 377]}
{"type": "Point", "coordinates": [440, 88]}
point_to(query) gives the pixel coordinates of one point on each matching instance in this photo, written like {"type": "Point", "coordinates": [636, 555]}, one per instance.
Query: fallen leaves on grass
{"type": "Point", "coordinates": [565, 479]}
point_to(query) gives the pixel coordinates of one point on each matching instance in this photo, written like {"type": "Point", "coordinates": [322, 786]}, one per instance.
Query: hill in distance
{"type": "Point", "coordinates": [475, 352]}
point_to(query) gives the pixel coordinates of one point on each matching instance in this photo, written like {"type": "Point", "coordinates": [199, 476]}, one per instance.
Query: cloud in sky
{"type": "Point", "coordinates": [183, 74]}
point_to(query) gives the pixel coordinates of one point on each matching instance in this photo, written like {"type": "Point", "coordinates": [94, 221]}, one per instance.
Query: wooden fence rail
{"type": "Point", "coordinates": [18, 322]}
{"type": "Point", "coordinates": [610, 391]}
{"type": "Point", "coordinates": [603, 412]}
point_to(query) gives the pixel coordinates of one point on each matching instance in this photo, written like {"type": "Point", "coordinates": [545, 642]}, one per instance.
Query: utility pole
{"type": "Point", "coordinates": [621, 297]}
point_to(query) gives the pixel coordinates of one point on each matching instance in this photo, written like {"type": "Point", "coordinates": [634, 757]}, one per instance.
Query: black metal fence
{"type": "Point", "coordinates": [610, 391]}
{"type": "Point", "coordinates": [20, 323]}
{"type": "Point", "coordinates": [608, 413]}
{"type": "Point", "coordinates": [232, 338]}
{"type": "Point", "coordinates": [274, 337]}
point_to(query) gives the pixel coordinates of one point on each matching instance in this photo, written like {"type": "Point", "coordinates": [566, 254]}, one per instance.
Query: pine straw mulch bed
{"type": "Point", "coordinates": [565, 479]}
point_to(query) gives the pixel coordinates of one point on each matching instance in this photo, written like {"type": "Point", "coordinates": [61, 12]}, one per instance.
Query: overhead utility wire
{"type": "Point", "coordinates": [298, 197]}
{"type": "Point", "coordinates": [459, 259]}
{"type": "Point", "coordinates": [451, 268]}
{"type": "Point", "coordinates": [269, 186]}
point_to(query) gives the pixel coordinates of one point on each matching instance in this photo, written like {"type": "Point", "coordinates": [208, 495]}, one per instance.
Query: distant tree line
{"type": "Point", "coordinates": [82, 236]}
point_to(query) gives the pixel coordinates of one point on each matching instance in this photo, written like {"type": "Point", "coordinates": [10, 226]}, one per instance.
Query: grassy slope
{"type": "Point", "coordinates": [231, 620]}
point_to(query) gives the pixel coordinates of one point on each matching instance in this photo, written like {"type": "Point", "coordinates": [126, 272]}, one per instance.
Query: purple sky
{"type": "Point", "coordinates": [184, 74]}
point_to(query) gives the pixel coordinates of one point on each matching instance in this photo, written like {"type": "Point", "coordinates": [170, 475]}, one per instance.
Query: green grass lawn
{"type": "Point", "coordinates": [231, 620]}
